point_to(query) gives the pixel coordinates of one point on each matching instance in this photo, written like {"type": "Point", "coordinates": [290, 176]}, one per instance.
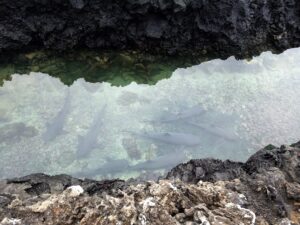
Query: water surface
{"type": "Point", "coordinates": [221, 109]}
{"type": "Point", "coordinates": [117, 68]}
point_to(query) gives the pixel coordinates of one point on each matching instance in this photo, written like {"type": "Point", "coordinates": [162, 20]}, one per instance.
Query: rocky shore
{"type": "Point", "coordinates": [263, 190]}
{"type": "Point", "coordinates": [218, 28]}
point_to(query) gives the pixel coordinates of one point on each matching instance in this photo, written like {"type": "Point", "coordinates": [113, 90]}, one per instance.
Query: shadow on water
{"type": "Point", "coordinates": [117, 68]}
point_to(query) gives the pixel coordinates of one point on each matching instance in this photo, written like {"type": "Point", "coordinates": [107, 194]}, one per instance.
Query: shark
{"type": "Point", "coordinates": [166, 161]}
{"type": "Point", "coordinates": [55, 127]}
{"type": "Point", "coordinates": [185, 114]}
{"type": "Point", "coordinates": [111, 166]}
{"type": "Point", "coordinates": [215, 131]}
{"type": "Point", "coordinates": [89, 141]}
{"type": "Point", "coordinates": [174, 138]}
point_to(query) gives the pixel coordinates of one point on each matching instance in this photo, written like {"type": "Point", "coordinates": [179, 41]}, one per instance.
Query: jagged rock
{"type": "Point", "coordinates": [151, 203]}
{"type": "Point", "coordinates": [78, 4]}
{"type": "Point", "coordinates": [195, 27]}
{"type": "Point", "coordinates": [269, 179]}
{"type": "Point", "coordinates": [206, 170]}
{"type": "Point", "coordinates": [265, 190]}
{"type": "Point", "coordinates": [293, 191]}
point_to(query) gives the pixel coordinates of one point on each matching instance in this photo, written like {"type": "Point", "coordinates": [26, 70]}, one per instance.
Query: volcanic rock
{"type": "Point", "coordinates": [263, 190]}
{"type": "Point", "coordinates": [215, 28]}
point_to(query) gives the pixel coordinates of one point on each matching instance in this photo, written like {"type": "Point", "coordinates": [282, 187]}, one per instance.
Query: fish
{"type": "Point", "coordinates": [55, 127]}
{"type": "Point", "coordinates": [110, 167]}
{"type": "Point", "coordinates": [161, 162]}
{"type": "Point", "coordinates": [90, 141]}
{"type": "Point", "coordinates": [215, 130]}
{"type": "Point", "coordinates": [174, 138]}
{"type": "Point", "coordinates": [188, 113]}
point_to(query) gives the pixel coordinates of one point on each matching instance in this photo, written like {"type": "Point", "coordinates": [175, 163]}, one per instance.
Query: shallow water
{"type": "Point", "coordinates": [117, 68]}
{"type": "Point", "coordinates": [221, 109]}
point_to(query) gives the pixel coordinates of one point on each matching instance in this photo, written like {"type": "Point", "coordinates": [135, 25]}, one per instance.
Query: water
{"type": "Point", "coordinates": [222, 109]}
{"type": "Point", "coordinates": [117, 68]}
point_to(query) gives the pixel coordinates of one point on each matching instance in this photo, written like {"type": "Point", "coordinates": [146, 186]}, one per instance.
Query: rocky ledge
{"type": "Point", "coordinates": [213, 28]}
{"type": "Point", "coordinates": [264, 190]}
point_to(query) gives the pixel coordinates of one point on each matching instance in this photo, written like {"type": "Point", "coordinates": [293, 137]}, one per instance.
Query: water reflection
{"type": "Point", "coordinates": [222, 109]}
{"type": "Point", "coordinates": [94, 66]}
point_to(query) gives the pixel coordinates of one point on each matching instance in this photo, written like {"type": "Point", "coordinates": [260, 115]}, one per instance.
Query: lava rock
{"type": "Point", "coordinates": [218, 28]}
{"type": "Point", "coordinates": [263, 190]}
{"type": "Point", "coordinates": [206, 170]}
{"type": "Point", "coordinates": [78, 4]}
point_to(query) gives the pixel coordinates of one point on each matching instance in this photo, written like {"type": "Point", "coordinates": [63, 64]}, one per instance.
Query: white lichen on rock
{"type": "Point", "coordinates": [74, 191]}
{"type": "Point", "coordinates": [10, 221]}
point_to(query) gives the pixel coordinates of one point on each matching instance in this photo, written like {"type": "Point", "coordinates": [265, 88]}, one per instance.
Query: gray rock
{"type": "Point", "coordinates": [78, 4]}
{"type": "Point", "coordinates": [264, 190]}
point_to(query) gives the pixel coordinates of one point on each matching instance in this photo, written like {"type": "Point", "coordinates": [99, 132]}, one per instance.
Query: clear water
{"type": "Point", "coordinates": [117, 68]}
{"type": "Point", "coordinates": [221, 109]}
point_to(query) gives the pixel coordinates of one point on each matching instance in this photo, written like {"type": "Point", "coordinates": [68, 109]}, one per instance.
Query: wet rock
{"type": "Point", "coordinates": [194, 27]}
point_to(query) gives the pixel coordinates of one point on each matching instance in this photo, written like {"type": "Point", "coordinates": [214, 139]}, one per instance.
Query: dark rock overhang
{"type": "Point", "coordinates": [219, 28]}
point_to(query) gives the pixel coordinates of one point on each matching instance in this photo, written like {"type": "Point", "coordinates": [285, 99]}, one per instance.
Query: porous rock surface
{"type": "Point", "coordinates": [264, 190]}
{"type": "Point", "coordinates": [216, 27]}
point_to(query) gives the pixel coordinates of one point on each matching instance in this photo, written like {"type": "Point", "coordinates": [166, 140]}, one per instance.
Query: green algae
{"type": "Point", "coordinates": [117, 68]}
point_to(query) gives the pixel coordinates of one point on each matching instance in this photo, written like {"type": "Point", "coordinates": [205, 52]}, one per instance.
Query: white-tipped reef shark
{"type": "Point", "coordinates": [174, 138]}
{"type": "Point", "coordinates": [110, 167]}
{"type": "Point", "coordinates": [215, 131]}
{"type": "Point", "coordinates": [90, 141]}
{"type": "Point", "coordinates": [188, 113]}
{"type": "Point", "coordinates": [55, 127]}
{"type": "Point", "coordinates": [161, 162]}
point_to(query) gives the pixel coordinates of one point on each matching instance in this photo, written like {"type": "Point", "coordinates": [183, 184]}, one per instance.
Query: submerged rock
{"type": "Point", "coordinates": [213, 28]}
{"type": "Point", "coordinates": [14, 132]}
{"type": "Point", "coordinates": [264, 190]}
